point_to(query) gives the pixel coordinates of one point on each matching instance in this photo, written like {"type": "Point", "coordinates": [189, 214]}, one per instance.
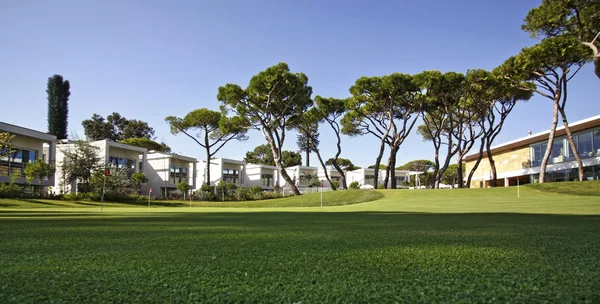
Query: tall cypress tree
{"type": "Point", "coordinates": [58, 106]}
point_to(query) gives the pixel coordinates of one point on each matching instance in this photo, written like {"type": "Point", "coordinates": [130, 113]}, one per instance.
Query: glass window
{"type": "Point", "coordinates": [557, 154]}
{"type": "Point", "coordinates": [597, 142]}
{"type": "Point", "coordinates": [17, 157]}
{"type": "Point", "coordinates": [537, 154]}
{"type": "Point", "coordinates": [584, 145]}
{"type": "Point", "coordinates": [113, 161]}
{"type": "Point", "coordinates": [231, 176]}
{"type": "Point", "coordinates": [267, 180]}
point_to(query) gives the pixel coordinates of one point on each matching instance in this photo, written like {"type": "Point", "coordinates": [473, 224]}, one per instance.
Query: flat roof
{"type": "Point", "coordinates": [250, 165]}
{"type": "Point", "coordinates": [579, 125]}
{"type": "Point", "coordinates": [158, 155]}
{"type": "Point", "coordinates": [14, 129]}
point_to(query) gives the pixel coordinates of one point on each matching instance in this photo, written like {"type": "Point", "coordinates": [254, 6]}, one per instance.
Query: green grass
{"type": "Point", "coordinates": [309, 200]}
{"type": "Point", "coordinates": [573, 188]}
{"type": "Point", "coordinates": [477, 245]}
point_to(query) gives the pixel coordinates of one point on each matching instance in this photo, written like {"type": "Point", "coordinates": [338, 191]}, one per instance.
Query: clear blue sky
{"type": "Point", "coordinates": [150, 59]}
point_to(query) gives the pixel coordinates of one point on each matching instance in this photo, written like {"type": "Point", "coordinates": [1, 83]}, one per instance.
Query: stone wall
{"type": "Point", "coordinates": [510, 160]}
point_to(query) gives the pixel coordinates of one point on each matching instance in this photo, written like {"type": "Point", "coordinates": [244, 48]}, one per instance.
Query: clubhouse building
{"type": "Point", "coordinates": [520, 159]}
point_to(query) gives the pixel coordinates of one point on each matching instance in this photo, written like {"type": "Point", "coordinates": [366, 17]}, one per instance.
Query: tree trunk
{"type": "Point", "coordinates": [494, 173]}
{"type": "Point", "coordinates": [387, 173]}
{"type": "Point", "coordinates": [377, 162]}
{"type": "Point", "coordinates": [207, 145]}
{"type": "Point", "coordinates": [307, 158]}
{"type": "Point", "coordinates": [207, 180]}
{"type": "Point", "coordinates": [477, 162]}
{"type": "Point", "coordinates": [572, 142]}
{"type": "Point", "coordinates": [544, 163]}
{"type": "Point", "coordinates": [278, 162]}
{"type": "Point", "coordinates": [325, 169]}
{"type": "Point", "coordinates": [459, 166]}
{"type": "Point", "coordinates": [392, 168]}
{"type": "Point", "coordinates": [344, 184]}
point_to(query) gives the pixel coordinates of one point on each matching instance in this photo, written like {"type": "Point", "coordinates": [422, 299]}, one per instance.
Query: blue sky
{"type": "Point", "coordinates": [151, 59]}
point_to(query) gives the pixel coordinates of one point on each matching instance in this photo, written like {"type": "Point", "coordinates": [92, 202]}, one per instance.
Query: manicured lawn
{"type": "Point", "coordinates": [309, 200]}
{"type": "Point", "coordinates": [574, 188]}
{"type": "Point", "coordinates": [482, 245]}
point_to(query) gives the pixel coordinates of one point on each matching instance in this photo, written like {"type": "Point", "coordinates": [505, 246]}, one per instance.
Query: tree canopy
{"type": "Point", "coordinates": [146, 143]}
{"type": "Point", "coordinates": [116, 128]}
{"type": "Point", "coordinates": [577, 20]}
{"type": "Point", "coordinates": [262, 155]}
{"type": "Point", "coordinates": [271, 99]}
{"type": "Point", "coordinates": [58, 90]}
{"type": "Point", "coordinates": [211, 130]}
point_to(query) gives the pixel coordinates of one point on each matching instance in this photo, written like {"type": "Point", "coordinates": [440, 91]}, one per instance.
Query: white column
{"type": "Point", "coordinates": [506, 182]}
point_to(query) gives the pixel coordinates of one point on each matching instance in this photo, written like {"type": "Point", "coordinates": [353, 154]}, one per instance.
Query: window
{"type": "Point", "coordinates": [584, 145]}
{"type": "Point", "coordinates": [537, 153]}
{"type": "Point", "coordinates": [231, 176]}
{"type": "Point", "coordinates": [557, 154]}
{"type": "Point", "coordinates": [596, 142]}
{"type": "Point", "coordinates": [370, 180]}
{"type": "Point", "coordinates": [267, 180]}
{"type": "Point", "coordinates": [178, 174]}
{"type": "Point", "coordinates": [15, 163]}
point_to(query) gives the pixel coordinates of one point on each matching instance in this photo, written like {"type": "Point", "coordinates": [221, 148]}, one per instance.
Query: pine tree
{"type": "Point", "coordinates": [58, 106]}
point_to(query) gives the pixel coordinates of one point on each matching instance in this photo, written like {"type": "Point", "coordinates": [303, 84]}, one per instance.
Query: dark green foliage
{"type": "Point", "coordinates": [116, 128]}
{"type": "Point", "coordinates": [39, 170]}
{"type": "Point", "coordinates": [421, 165]}
{"type": "Point", "coordinates": [344, 163]}
{"type": "Point", "coordinates": [575, 19]}
{"type": "Point", "coordinates": [285, 257]}
{"type": "Point", "coordinates": [263, 155]}
{"type": "Point", "coordinates": [80, 162]}
{"type": "Point", "coordinates": [209, 129]}
{"type": "Point", "coordinates": [146, 143]}
{"type": "Point", "coordinates": [354, 185]}
{"type": "Point", "coordinates": [273, 97]}
{"type": "Point", "coordinates": [58, 91]}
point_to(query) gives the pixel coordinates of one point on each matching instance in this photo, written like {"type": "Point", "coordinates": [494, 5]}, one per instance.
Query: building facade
{"type": "Point", "coordinates": [222, 169]}
{"type": "Point", "coordinates": [262, 175]}
{"type": "Point", "coordinates": [520, 160]}
{"type": "Point", "coordinates": [115, 155]}
{"type": "Point", "coordinates": [166, 170]}
{"type": "Point", "coordinates": [30, 145]}
{"type": "Point", "coordinates": [366, 177]}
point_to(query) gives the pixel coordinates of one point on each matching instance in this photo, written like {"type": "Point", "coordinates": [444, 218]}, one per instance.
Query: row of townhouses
{"type": "Point", "coordinates": [164, 170]}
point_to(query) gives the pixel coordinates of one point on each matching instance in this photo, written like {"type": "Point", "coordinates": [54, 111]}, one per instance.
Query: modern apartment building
{"type": "Point", "coordinates": [520, 159]}
{"type": "Point", "coordinates": [30, 145]}
{"type": "Point", "coordinates": [227, 170]}
{"type": "Point", "coordinates": [165, 170]}
{"type": "Point", "coordinates": [114, 154]}
{"type": "Point", "coordinates": [366, 176]}
{"type": "Point", "coordinates": [262, 175]}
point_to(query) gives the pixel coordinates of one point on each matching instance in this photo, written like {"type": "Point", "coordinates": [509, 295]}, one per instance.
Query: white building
{"type": "Point", "coordinates": [114, 154]}
{"type": "Point", "coordinates": [30, 145]}
{"type": "Point", "coordinates": [165, 170]}
{"type": "Point", "coordinates": [227, 170]}
{"type": "Point", "coordinates": [300, 175]}
{"type": "Point", "coordinates": [366, 176]}
{"type": "Point", "coordinates": [262, 175]}
{"type": "Point", "coordinates": [334, 176]}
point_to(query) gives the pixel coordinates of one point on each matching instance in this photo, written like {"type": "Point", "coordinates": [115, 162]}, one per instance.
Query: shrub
{"type": "Point", "coordinates": [380, 186]}
{"type": "Point", "coordinates": [335, 184]}
{"type": "Point", "coordinates": [9, 190]}
{"type": "Point", "coordinates": [241, 194]}
{"type": "Point", "coordinates": [354, 185]}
